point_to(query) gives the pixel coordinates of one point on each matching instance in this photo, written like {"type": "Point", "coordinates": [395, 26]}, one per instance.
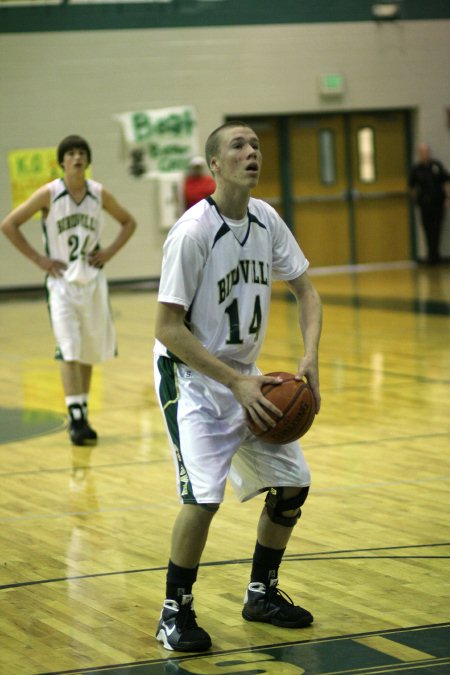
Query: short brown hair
{"type": "Point", "coordinates": [213, 140]}
{"type": "Point", "coordinates": [70, 143]}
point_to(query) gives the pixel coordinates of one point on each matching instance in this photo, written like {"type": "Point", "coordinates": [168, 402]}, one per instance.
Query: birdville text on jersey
{"type": "Point", "coordinates": [69, 222]}
{"type": "Point", "coordinates": [251, 271]}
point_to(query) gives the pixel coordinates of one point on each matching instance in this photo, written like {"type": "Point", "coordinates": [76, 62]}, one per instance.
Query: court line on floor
{"type": "Point", "coordinates": [301, 557]}
{"type": "Point", "coordinates": [365, 369]}
{"type": "Point", "coordinates": [179, 658]}
{"type": "Point", "coordinates": [162, 460]}
{"type": "Point", "coordinates": [148, 507]}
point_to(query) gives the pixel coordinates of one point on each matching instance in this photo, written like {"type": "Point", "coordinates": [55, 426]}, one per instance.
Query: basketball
{"type": "Point", "coordinates": [296, 400]}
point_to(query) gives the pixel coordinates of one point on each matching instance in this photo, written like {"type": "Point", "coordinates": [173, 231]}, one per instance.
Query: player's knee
{"type": "Point", "coordinates": [285, 510]}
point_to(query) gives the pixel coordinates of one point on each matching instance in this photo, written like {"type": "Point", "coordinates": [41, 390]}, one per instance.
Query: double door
{"type": "Point", "coordinates": [340, 181]}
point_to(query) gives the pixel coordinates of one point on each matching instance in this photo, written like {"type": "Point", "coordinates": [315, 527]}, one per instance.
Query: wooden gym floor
{"type": "Point", "coordinates": [85, 535]}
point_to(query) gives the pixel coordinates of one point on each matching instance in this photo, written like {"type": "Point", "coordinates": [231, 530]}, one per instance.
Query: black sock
{"type": "Point", "coordinates": [179, 580]}
{"type": "Point", "coordinates": [266, 562]}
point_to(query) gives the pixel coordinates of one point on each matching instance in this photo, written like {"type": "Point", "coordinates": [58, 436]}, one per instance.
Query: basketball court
{"type": "Point", "coordinates": [85, 532]}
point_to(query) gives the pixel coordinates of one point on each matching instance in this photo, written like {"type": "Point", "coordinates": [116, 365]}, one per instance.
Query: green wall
{"type": "Point", "coordinates": [190, 13]}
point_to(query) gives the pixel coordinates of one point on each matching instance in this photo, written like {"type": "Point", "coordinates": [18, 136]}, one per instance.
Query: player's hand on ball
{"type": "Point", "coordinates": [248, 391]}
{"type": "Point", "coordinates": [308, 369]}
{"type": "Point", "coordinates": [295, 398]}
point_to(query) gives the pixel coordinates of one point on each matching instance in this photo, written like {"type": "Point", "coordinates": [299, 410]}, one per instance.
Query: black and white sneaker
{"type": "Point", "coordinates": [91, 434]}
{"type": "Point", "coordinates": [81, 433]}
{"type": "Point", "coordinates": [178, 629]}
{"type": "Point", "coordinates": [271, 605]}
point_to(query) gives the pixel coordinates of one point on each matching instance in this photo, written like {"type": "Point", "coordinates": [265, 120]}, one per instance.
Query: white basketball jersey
{"type": "Point", "coordinates": [223, 279]}
{"type": "Point", "coordinates": [72, 231]}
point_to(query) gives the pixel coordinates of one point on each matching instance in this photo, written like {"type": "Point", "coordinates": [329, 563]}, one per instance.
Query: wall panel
{"type": "Point", "coordinates": [55, 83]}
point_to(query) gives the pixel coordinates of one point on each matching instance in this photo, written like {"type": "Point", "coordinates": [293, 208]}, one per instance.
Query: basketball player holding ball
{"type": "Point", "coordinates": [218, 264]}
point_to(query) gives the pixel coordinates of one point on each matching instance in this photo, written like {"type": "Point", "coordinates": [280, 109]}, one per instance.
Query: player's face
{"type": "Point", "coordinates": [75, 160]}
{"type": "Point", "coordinates": [239, 159]}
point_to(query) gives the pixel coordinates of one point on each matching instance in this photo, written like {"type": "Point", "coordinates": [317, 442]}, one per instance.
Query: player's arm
{"type": "Point", "coordinates": [172, 332]}
{"type": "Point", "coordinates": [310, 321]}
{"type": "Point", "coordinates": [126, 221]}
{"type": "Point", "coordinates": [39, 201]}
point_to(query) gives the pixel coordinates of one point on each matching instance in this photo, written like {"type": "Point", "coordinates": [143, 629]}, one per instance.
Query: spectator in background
{"type": "Point", "coordinates": [198, 184]}
{"type": "Point", "coordinates": [430, 185]}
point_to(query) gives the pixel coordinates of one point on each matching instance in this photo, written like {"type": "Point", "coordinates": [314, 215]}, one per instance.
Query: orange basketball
{"type": "Point", "coordinates": [296, 400]}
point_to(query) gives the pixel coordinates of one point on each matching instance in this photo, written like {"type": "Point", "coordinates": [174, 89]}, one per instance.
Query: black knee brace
{"type": "Point", "coordinates": [276, 505]}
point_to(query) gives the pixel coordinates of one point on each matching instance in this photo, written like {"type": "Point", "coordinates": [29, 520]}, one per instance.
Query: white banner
{"type": "Point", "coordinates": [159, 141]}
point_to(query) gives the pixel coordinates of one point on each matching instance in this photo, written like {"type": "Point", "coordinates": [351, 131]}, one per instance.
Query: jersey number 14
{"type": "Point", "coordinates": [235, 332]}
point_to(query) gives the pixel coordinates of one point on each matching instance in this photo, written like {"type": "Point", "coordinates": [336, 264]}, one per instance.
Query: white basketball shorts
{"type": "Point", "coordinates": [81, 320]}
{"type": "Point", "coordinates": [211, 442]}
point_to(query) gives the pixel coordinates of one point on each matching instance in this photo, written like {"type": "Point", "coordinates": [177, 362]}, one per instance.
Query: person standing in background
{"type": "Point", "coordinates": [197, 185]}
{"type": "Point", "coordinates": [430, 187]}
{"type": "Point", "coordinates": [77, 290]}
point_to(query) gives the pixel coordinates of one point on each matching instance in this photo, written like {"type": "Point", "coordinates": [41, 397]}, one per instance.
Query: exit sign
{"type": "Point", "coordinates": [331, 84]}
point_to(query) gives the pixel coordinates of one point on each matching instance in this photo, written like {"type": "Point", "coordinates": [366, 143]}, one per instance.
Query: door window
{"type": "Point", "coordinates": [365, 140]}
{"type": "Point", "coordinates": [327, 155]}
